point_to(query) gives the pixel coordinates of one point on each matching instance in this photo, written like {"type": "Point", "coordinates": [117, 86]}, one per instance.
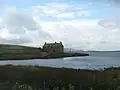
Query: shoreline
{"type": "Point", "coordinates": [37, 66]}
{"type": "Point", "coordinates": [22, 56]}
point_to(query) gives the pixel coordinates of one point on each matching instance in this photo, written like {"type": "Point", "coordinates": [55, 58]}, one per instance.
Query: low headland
{"type": "Point", "coordinates": [17, 52]}
{"type": "Point", "coordinates": [47, 78]}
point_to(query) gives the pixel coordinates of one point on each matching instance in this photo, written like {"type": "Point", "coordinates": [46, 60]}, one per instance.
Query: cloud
{"type": "Point", "coordinates": [20, 40]}
{"type": "Point", "coordinates": [84, 34]}
{"type": "Point", "coordinates": [61, 10]}
{"type": "Point", "coordinates": [44, 10]}
{"type": "Point", "coordinates": [19, 21]}
{"type": "Point", "coordinates": [21, 27]}
{"type": "Point", "coordinates": [108, 24]}
{"type": "Point", "coordinates": [60, 6]}
{"type": "Point", "coordinates": [113, 22]}
{"type": "Point", "coordinates": [9, 38]}
{"type": "Point", "coordinates": [65, 15]}
{"type": "Point", "coordinates": [74, 14]}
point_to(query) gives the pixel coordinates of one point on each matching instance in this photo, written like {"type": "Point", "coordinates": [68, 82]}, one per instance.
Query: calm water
{"type": "Point", "coordinates": [96, 60]}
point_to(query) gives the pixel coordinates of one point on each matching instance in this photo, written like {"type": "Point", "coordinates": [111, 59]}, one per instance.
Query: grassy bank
{"type": "Point", "coordinates": [59, 78]}
{"type": "Point", "coordinates": [16, 52]}
{"type": "Point", "coordinates": [62, 55]}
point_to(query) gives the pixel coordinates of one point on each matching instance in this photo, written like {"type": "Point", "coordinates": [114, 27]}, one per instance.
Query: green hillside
{"type": "Point", "coordinates": [18, 49]}
{"type": "Point", "coordinates": [19, 52]}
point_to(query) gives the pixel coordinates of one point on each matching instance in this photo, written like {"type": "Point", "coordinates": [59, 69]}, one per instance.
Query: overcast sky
{"type": "Point", "coordinates": [80, 24]}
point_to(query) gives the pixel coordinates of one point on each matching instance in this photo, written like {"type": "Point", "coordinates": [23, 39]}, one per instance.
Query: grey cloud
{"type": "Point", "coordinates": [14, 41]}
{"type": "Point", "coordinates": [22, 25]}
{"type": "Point", "coordinates": [17, 22]}
{"type": "Point", "coordinates": [112, 24]}
{"type": "Point", "coordinates": [44, 34]}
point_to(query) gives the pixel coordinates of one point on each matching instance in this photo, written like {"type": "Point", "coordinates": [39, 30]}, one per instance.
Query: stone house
{"type": "Point", "coordinates": [53, 47]}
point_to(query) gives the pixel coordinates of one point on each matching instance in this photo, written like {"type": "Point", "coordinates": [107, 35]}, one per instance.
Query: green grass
{"type": "Point", "coordinates": [35, 76]}
{"type": "Point", "coordinates": [17, 49]}
{"type": "Point", "coordinates": [13, 52]}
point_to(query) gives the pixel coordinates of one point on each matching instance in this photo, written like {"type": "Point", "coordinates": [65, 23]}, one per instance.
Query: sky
{"type": "Point", "coordinates": [79, 24]}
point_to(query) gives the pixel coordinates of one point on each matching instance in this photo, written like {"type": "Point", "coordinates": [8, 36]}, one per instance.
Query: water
{"type": "Point", "coordinates": [96, 60]}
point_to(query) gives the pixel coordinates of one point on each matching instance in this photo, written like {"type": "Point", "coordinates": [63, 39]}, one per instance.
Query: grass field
{"type": "Point", "coordinates": [13, 52]}
{"type": "Point", "coordinates": [59, 78]}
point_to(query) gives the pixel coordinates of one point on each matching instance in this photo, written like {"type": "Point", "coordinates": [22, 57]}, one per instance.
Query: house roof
{"type": "Point", "coordinates": [53, 44]}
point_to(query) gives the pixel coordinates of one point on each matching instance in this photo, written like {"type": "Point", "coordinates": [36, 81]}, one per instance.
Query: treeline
{"type": "Point", "coordinates": [46, 78]}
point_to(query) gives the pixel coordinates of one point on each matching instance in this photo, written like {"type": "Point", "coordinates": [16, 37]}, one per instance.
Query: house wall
{"type": "Point", "coordinates": [54, 49]}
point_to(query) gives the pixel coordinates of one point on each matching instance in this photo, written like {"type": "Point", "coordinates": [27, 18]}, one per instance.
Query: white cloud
{"type": "Point", "coordinates": [113, 22]}
{"type": "Point", "coordinates": [84, 34]}
{"type": "Point", "coordinates": [44, 10]}
{"type": "Point", "coordinates": [20, 27]}
{"type": "Point", "coordinates": [65, 15]}
{"type": "Point", "coordinates": [60, 6]}
{"type": "Point", "coordinates": [61, 10]}
{"type": "Point", "coordinates": [17, 20]}
{"type": "Point", "coordinates": [74, 14]}
{"type": "Point", "coordinates": [109, 24]}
